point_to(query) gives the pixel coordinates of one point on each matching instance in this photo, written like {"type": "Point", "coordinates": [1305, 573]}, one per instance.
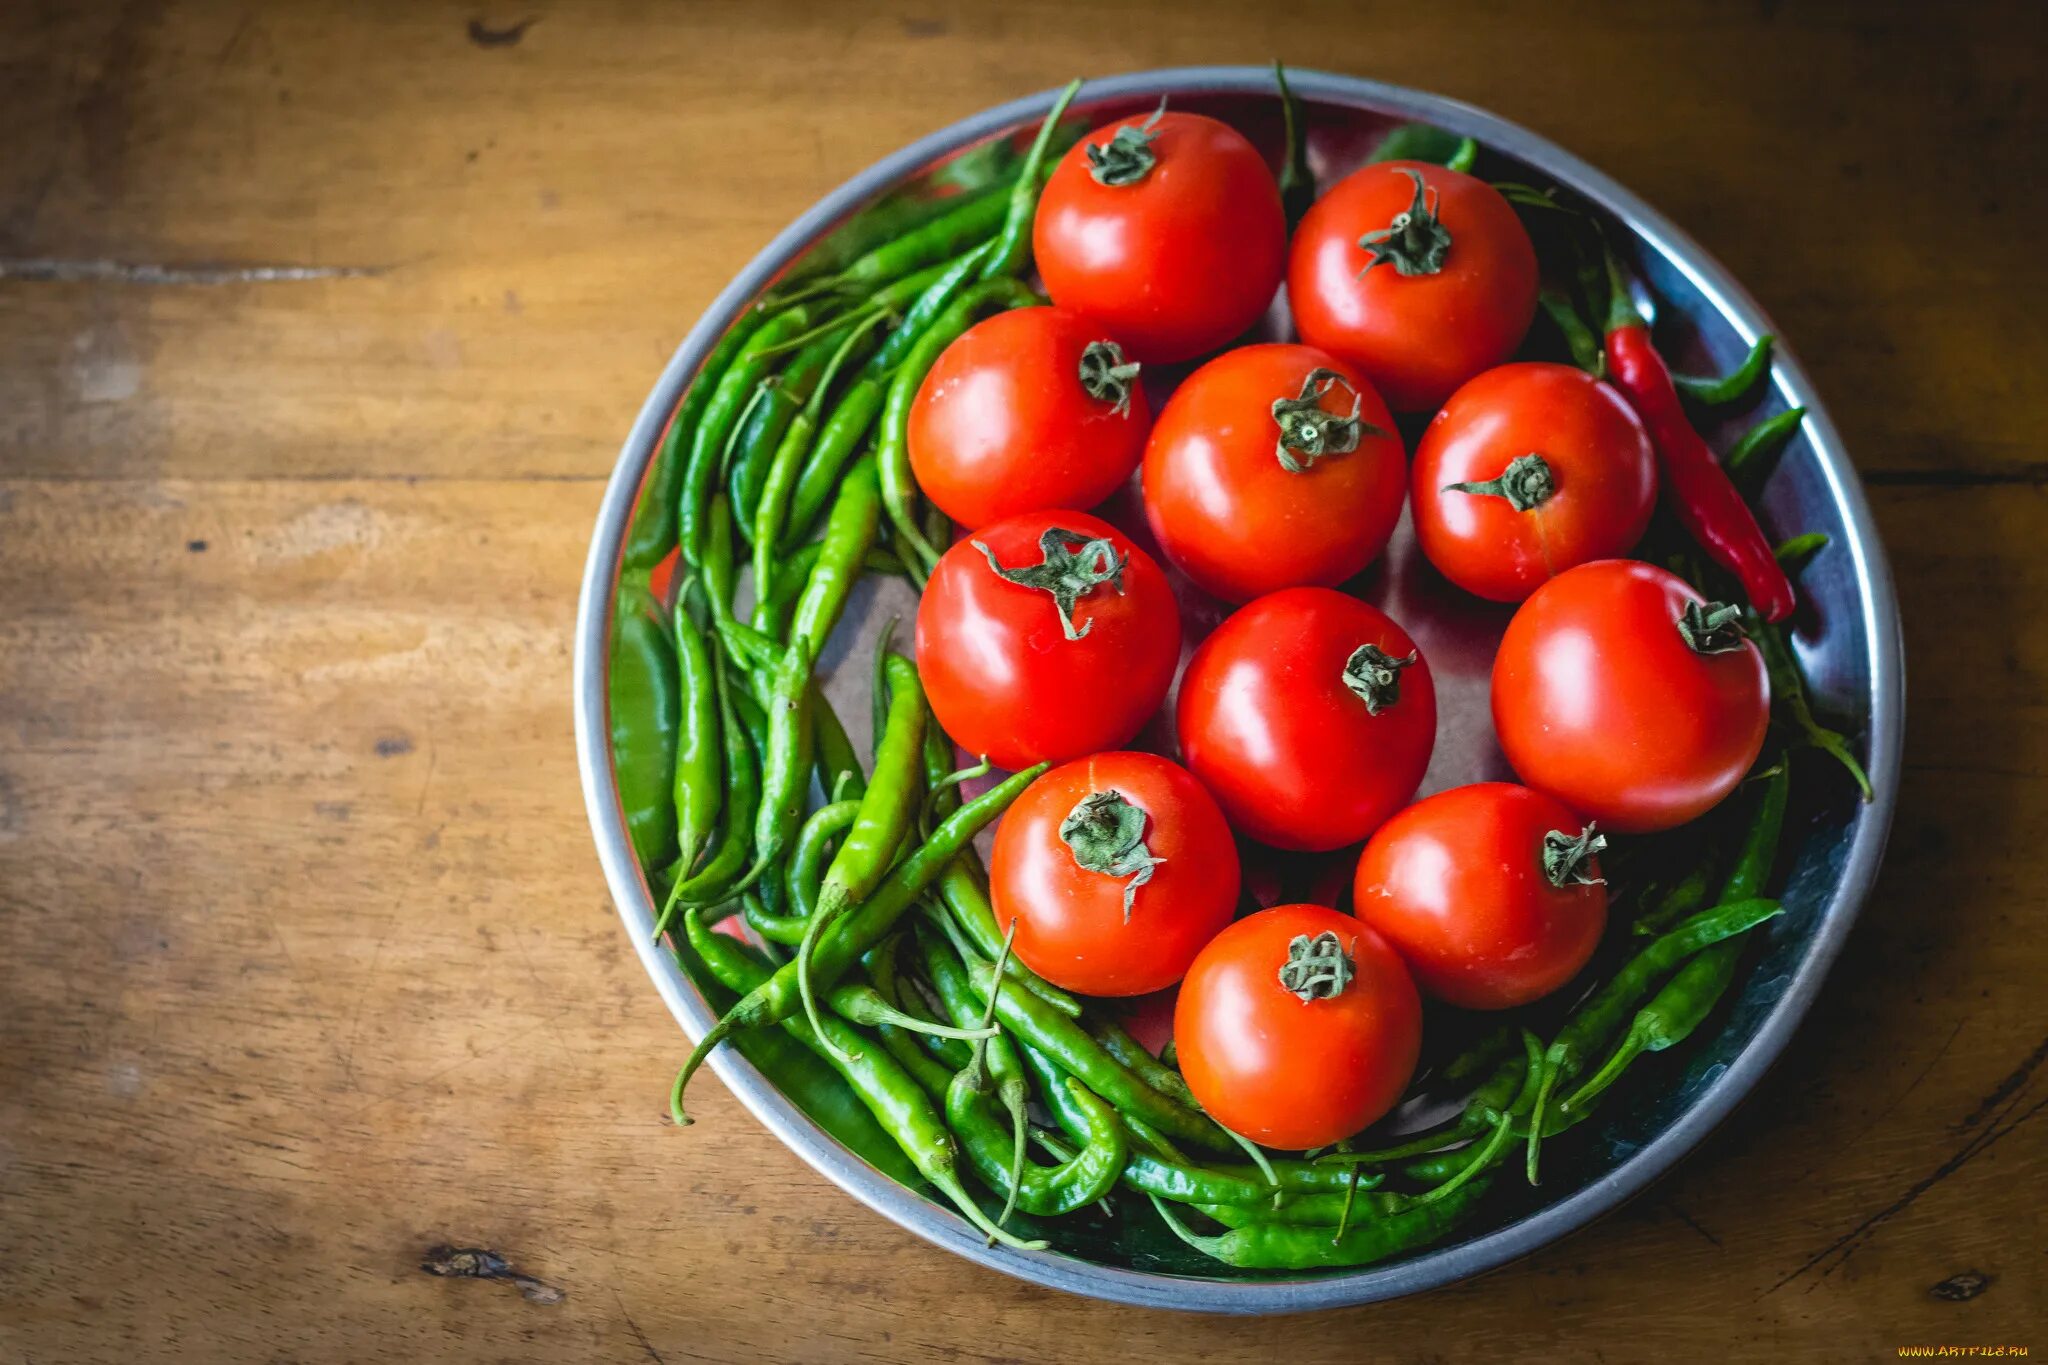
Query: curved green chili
{"type": "Point", "coordinates": [721, 415]}
{"type": "Point", "coordinates": [1685, 1001]}
{"type": "Point", "coordinates": [897, 1101]}
{"type": "Point", "coordinates": [700, 770]}
{"type": "Point", "coordinates": [806, 861]}
{"type": "Point", "coordinates": [1596, 1021]}
{"type": "Point", "coordinates": [785, 761]}
{"type": "Point", "coordinates": [892, 452]}
{"type": "Point", "coordinates": [1285, 1246]}
{"type": "Point", "coordinates": [771, 424]}
{"type": "Point", "coordinates": [646, 714]}
{"type": "Point", "coordinates": [975, 217]}
{"type": "Point", "coordinates": [653, 532]}
{"type": "Point", "coordinates": [849, 532]}
{"type": "Point", "coordinates": [712, 882]}
{"type": "Point", "coordinates": [839, 770]}
{"type": "Point", "coordinates": [1012, 254]}
{"type": "Point", "coordinates": [779, 483]}
{"type": "Point", "coordinates": [1077, 1182]}
{"type": "Point", "coordinates": [965, 898]}
{"type": "Point", "coordinates": [777, 998]}
{"type": "Point", "coordinates": [881, 822]}
{"type": "Point", "coordinates": [1080, 1056]}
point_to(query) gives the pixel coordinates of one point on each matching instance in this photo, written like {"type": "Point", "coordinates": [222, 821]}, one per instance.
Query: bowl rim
{"type": "Point", "coordinates": [1431, 1269]}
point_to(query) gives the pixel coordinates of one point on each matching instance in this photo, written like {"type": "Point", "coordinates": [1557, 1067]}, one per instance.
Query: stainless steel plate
{"type": "Point", "coordinates": [1848, 640]}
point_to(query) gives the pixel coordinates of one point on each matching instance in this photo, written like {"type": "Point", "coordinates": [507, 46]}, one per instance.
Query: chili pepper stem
{"type": "Point", "coordinates": [1631, 1047]}
{"type": "Point", "coordinates": [1485, 1158]}
{"type": "Point", "coordinates": [1550, 1071]}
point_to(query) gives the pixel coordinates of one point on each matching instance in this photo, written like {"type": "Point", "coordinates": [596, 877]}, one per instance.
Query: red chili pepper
{"type": "Point", "coordinates": [1701, 491]}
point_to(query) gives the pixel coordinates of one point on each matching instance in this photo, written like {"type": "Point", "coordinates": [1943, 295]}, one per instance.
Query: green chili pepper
{"type": "Point", "coordinates": [785, 761]}
{"type": "Point", "coordinates": [839, 771]}
{"type": "Point", "coordinates": [1308, 1209]}
{"type": "Point", "coordinates": [950, 233]}
{"type": "Point", "coordinates": [1686, 1000]}
{"type": "Point", "coordinates": [700, 770]}
{"type": "Point", "coordinates": [653, 532]}
{"type": "Point", "coordinates": [1421, 142]}
{"type": "Point", "coordinates": [883, 819]}
{"type": "Point", "coordinates": [806, 861]}
{"type": "Point", "coordinates": [993, 1059]}
{"type": "Point", "coordinates": [765, 432]}
{"type": "Point", "coordinates": [779, 484]}
{"type": "Point", "coordinates": [794, 1069]}
{"type": "Point", "coordinates": [1732, 387]}
{"type": "Point", "coordinates": [1118, 1043]}
{"type": "Point", "coordinates": [1596, 1021]}
{"type": "Point", "coordinates": [1791, 705]}
{"type": "Point", "coordinates": [842, 945]}
{"type": "Point", "coordinates": [965, 897]}
{"type": "Point", "coordinates": [735, 388]}
{"type": "Point", "coordinates": [898, 1103]}
{"type": "Point", "coordinates": [892, 452]}
{"type": "Point", "coordinates": [645, 718]}
{"type": "Point", "coordinates": [1039, 1024]}
{"type": "Point", "coordinates": [849, 532]}
{"type": "Point", "coordinates": [1012, 255]}
{"type": "Point", "coordinates": [1078, 1182]}
{"type": "Point", "coordinates": [1297, 181]}
{"type": "Point", "coordinates": [1750, 459]}
{"type": "Point", "coordinates": [1284, 1246]}
{"type": "Point", "coordinates": [712, 882]}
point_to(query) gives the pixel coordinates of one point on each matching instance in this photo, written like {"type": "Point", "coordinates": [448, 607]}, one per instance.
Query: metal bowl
{"type": "Point", "coordinates": [1847, 640]}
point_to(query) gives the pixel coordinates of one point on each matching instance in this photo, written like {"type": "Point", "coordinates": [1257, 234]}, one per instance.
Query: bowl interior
{"type": "Point", "coordinates": [1844, 636]}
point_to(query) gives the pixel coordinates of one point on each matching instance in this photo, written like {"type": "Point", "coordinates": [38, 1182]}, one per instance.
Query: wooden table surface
{"type": "Point", "coordinates": [320, 324]}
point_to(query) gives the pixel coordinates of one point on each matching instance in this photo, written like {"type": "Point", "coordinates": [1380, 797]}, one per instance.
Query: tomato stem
{"type": "Point", "coordinates": [1309, 431]}
{"type": "Point", "coordinates": [1712, 627]}
{"type": "Point", "coordinates": [1071, 566]}
{"type": "Point", "coordinates": [1416, 241]}
{"type": "Point", "coordinates": [1106, 834]}
{"type": "Point", "coordinates": [1567, 857]}
{"type": "Point", "coordinates": [1317, 968]}
{"type": "Point", "coordinates": [1107, 377]}
{"type": "Point", "coordinates": [1375, 676]}
{"type": "Point", "coordinates": [1526, 483]}
{"type": "Point", "coordinates": [1127, 157]}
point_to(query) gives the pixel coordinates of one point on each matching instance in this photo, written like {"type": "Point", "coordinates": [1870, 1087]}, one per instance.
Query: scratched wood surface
{"type": "Point", "coordinates": [319, 326]}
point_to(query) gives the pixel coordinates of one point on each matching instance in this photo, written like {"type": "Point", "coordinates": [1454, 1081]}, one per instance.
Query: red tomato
{"type": "Point", "coordinates": [1489, 893]}
{"type": "Point", "coordinates": [1180, 251]}
{"type": "Point", "coordinates": [1446, 292]}
{"type": "Point", "coordinates": [1028, 410]}
{"type": "Point", "coordinates": [1297, 1027]}
{"type": "Point", "coordinates": [1310, 716]}
{"type": "Point", "coordinates": [1567, 471]}
{"type": "Point", "coordinates": [1599, 700]}
{"type": "Point", "coordinates": [1242, 513]}
{"type": "Point", "coordinates": [1010, 675]}
{"type": "Point", "coordinates": [1117, 868]}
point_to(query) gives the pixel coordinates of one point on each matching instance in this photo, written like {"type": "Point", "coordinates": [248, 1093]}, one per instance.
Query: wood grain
{"type": "Point", "coordinates": [308, 969]}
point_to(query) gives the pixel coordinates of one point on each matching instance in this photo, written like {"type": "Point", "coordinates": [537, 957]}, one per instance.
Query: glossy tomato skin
{"type": "Point", "coordinates": [1456, 884]}
{"type": "Point", "coordinates": [1598, 701]}
{"type": "Point", "coordinates": [1001, 675]}
{"type": "Point", "coordinates": [1177, 262]}
{"type": "Point", "coordinates": [1601, 467]}
{"type": "Point", "coordinates": [1002, 424]}
{"type": "Point", "coordinates": [1416, 337]}
{"type": "Point", "coordinates": [1071, 925]}
{"type": "Point", "coordinates": [1292, 754]}
{"type": "Point", "coordinates": [1287, 1072]}
{"type": "Point", "coordinates": [1236, 520]}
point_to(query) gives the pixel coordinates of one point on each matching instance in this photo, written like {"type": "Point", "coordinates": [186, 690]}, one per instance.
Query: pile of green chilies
{"type": "Point", "coordinates": [882, 951]}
